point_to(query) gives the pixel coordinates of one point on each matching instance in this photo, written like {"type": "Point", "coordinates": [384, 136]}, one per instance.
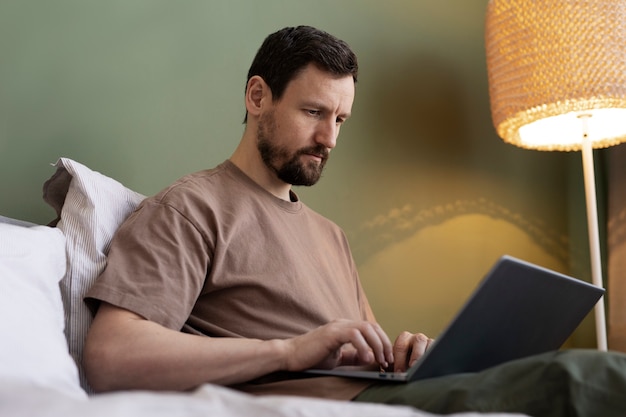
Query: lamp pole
{"type": "Point", "coordinates": [594, 234]}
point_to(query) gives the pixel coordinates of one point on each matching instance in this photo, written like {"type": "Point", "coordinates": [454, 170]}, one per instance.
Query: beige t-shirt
{"type": "Point", "coordinates": [216, 254]}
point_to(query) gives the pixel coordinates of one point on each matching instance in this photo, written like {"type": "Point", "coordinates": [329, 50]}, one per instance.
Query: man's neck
{"type": "Point", "coordinates": [249, 161]}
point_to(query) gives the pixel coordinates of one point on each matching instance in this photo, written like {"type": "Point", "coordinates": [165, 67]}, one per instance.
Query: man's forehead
{"type": "Point", "coordinates": [321, 84]}
{"type": "Point", "coordinates": [315, 71]}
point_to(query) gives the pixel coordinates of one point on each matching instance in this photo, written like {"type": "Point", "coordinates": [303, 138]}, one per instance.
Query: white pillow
{"type": "Point", "coordinates": [91, 206]}
{"type": "Point", "coordinates": [16, 222]}
{"type": "Point", "coordinates": [33, 348]}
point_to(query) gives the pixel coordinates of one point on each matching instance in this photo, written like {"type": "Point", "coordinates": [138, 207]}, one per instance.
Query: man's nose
{"type": "Point", "coordinates": [327, 134]}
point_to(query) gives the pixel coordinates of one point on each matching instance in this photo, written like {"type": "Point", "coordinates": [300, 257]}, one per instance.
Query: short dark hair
{"type": "Point", "coordinates": [288, 51]}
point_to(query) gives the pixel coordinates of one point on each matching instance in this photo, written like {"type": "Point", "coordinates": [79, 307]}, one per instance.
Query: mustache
{"type": "Point", "coordinates": [319, 150]}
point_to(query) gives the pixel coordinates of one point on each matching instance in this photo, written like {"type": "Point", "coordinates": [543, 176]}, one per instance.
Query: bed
{"type": "Point", "coordinates": [44, 274]}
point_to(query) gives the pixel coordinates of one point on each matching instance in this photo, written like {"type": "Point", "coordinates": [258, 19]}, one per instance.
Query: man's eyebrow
{"type": "Point", "coordinates": [314, 104]}
{"type": "Point", "coordinates": [321, 106]}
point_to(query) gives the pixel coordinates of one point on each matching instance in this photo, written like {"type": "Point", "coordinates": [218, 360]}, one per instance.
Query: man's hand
{"type": "Point", "coordinates": [408, 348]}
{"type": "Point", "coordinates": [340, 342]}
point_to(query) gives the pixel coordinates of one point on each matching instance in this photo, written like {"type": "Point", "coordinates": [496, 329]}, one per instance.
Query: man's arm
{"type": "Point", "coordinates": [125, 351]}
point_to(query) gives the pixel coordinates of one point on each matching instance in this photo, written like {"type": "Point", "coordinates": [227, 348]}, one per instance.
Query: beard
{"type": "Point", "coordinates": [288, 166]}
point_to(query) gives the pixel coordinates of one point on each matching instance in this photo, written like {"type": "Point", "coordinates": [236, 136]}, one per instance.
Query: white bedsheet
{"type": "Point", "coordinates": [208, 400]}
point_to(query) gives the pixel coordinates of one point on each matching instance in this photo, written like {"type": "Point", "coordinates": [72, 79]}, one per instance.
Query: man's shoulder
{"type": "Point", "coordinates": [202, 184]}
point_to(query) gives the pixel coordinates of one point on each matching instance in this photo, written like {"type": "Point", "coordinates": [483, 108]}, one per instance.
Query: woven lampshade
{"type": "Point", "coordinates": [551, 61]}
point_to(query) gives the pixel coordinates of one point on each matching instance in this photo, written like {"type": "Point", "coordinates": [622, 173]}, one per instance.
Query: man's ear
{"type": "Point", "coordinates": [257, 93]}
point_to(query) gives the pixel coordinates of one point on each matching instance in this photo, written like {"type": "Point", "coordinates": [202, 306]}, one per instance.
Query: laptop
{"type": "Point", "coordinates": [519, 309]}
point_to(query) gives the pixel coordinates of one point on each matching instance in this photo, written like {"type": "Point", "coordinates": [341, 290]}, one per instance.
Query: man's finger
{"type": "Point", "coordinates": [420, 344]}
{"type": "Point", "coordinates": [401, 351]}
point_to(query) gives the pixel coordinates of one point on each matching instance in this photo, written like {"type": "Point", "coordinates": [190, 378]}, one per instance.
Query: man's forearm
{"type": "Point", "coordinates": [125, 351]}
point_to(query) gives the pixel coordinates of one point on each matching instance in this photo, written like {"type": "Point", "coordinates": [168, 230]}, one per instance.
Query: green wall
{"type": "Point", "coordinates": [148, 90]}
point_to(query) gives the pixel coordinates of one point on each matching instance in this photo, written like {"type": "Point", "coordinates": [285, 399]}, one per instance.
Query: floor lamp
{"type": "Point", "coordinates": [557, 82]}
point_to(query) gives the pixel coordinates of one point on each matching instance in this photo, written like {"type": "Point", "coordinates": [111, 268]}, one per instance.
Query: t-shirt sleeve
{"type": "Point", "coordinates": [156, 266]}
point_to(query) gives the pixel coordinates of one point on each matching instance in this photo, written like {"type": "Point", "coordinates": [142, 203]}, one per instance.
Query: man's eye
{"type": "Point", "coordinates": [314, 112]}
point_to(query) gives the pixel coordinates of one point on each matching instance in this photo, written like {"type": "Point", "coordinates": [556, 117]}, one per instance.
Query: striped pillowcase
{"type": "Point", "coordinates": [90, 207]}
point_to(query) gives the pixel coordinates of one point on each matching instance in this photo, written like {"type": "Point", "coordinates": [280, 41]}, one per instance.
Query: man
{"type": "Point", "coordinates": [257, 282]}
{"type": "Point", "coordinates": [260, 264]}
